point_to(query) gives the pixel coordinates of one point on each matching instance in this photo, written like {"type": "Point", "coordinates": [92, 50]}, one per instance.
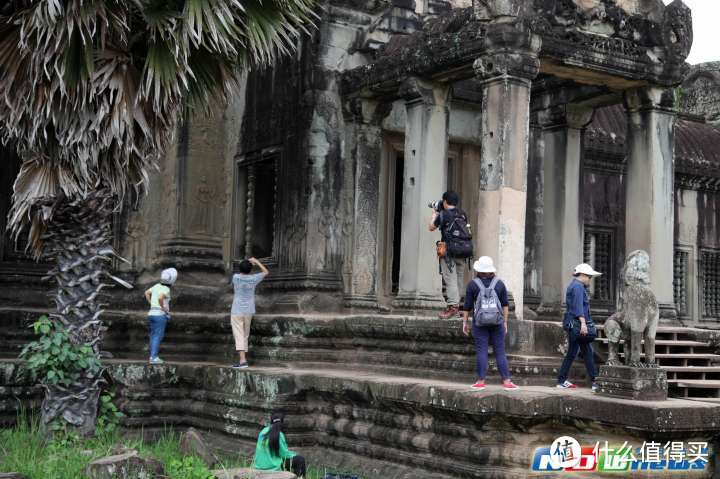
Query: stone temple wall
{"type": "Point", "coordinates": [277, 174]}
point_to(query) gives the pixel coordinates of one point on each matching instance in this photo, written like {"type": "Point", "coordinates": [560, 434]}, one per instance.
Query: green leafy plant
{"type": "Point", "coordinates": [108, 415]}
{"type": "Point", "coordinates": [55, 360]}
{"type": "Point", "coordinates": [189, 467]}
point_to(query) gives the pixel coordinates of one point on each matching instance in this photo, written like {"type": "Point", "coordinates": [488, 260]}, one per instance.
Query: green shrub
{"type": "Point", "coordinates": [55, 360]}
{"type": "Point", "coordinates": [189, 467]}
{"type": "Point", "coordinates": [108, 415]}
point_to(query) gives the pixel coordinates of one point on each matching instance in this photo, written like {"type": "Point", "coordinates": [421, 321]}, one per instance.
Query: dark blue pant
{"type": "Point", "coordinates": [496, 335]}
{"type": "Point", "coordinates": [573, 347]}
{"type": "Point", "coordinates": [157, 333]}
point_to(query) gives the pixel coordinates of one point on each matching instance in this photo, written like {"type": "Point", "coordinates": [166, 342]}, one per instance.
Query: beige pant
{"type": "Point", "coordinates": [241, 330]}
{"type": "Point", "coordinates": [453, 274]}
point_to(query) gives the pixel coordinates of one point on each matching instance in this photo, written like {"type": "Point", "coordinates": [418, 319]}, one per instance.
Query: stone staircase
{"type": "Point", "coordinates": [691, 362]}
{"type": "Point", "coordinates": [386, 395]}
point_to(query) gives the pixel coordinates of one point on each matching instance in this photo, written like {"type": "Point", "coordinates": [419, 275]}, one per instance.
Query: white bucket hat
{"type": "Point", "coordinates": [168, 276]}
{"type": "Point", "coordinates": [484, 264]}
{"type": "Point", "coordinates": [586, 269]}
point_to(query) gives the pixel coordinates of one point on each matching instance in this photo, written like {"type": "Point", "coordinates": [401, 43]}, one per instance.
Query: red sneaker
{"type": "Point", "coordinates": [510, 386]}
{"type": "Point", "coordinates": [450, 312]}
{"type": "Point", "coordinates": [478, 386]}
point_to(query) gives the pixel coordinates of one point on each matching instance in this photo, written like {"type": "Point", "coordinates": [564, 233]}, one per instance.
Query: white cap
{"type": "Point", "coordinates": [586, 269]}
{"type": "Point", "coordinates": [484, 264]}
{"type": "Point", "coordinates": [168, 276]}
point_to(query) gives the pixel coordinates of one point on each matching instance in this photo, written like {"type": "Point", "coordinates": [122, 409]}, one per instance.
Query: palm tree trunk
{"type": "Point", "coordinates": [78, 239]}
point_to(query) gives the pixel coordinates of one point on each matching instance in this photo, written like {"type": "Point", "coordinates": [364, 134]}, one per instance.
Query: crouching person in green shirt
{"type": "Point", "coordinates": [272, 454]}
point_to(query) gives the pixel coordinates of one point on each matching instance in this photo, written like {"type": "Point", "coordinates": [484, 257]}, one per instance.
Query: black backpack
{"type": "Point", "coordinates": [457, 235]}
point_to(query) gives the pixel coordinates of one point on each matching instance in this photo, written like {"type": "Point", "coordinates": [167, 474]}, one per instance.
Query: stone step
{"type": "Point", "coordinates": [692, 369]}
{"type": "Point", "coordinates": [667, 329]}
{"type": "Point", "coordinates": [695, 383]}
{"type": "Point", "coordinates": [686, 356]}
{"type": "Point", "coordinates": [668, 342]}
{"type": "Point", "coordinates": [708, 400]}
{"type": "Point", "coordinates": [439, 426]}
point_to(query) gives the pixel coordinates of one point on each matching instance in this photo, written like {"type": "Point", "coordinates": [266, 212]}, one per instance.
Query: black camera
{"type": "Point", "coordinates": [436, 205]}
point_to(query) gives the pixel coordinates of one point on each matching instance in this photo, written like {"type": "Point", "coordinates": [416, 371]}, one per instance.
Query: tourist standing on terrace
{"type": "Point", "coordinates": [243, 307]}
{"type": "Point", "coordinates": [579, 325]}
{"type": "Point", "coordinates": [487, 298]}
{"type": "Point", "coordinates": [271, 452]}
{"type": "Point", "coordinates": [159, 298]}
{"type": "Point", "coordinates": [454, 250]}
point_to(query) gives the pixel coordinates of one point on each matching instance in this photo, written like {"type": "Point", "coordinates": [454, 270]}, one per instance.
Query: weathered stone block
{"type": "Point", "coordinates": [124, 466]}
{"type": "Point", "coordinates": [192, 443]}
{"type": "Point", "coordinates": [12, 475]}
{"type": "Point", "coordinates": [644, 384]}
{"type": "Point", "coordinates": [249, 473]}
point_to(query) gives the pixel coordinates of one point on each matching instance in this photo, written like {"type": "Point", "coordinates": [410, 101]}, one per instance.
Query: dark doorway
{"type": "Point", "coordinates": [263, 209]}
{"type": "Point", "coordinates": [397, 219]}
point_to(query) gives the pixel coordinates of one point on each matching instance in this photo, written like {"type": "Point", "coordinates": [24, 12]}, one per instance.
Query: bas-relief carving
{"type": "Point", "coordinates": [169, 221]}
{"type": "Point", "coordinates": [702, 98]}
{"type": "Point", "coordinates": [347, 198]}
{"type": "Point", "coordinates": [366, 216]}
{"type": "Point", "coordinates": [364, 264]}
{"type": "Point", "coordinates": [137, 242]}
{"type": "Point", "coordinates": [329, 227]}
{"type": "Point", "coordinates": [203, 208]}
{"type": "Point", "coordinates": [347, 241]}
{"type": "Point", "coordinates": [631, 7]}
{"type": "Point", "coordinates": [295, 232]}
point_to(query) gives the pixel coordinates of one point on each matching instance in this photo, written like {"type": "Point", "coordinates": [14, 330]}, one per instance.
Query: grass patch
{"type": "Point", "coordinates": [23, 449]}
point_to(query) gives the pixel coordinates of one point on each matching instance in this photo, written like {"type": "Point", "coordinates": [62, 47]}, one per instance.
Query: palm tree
{"type": "Point", "coordinates": [92, 91]}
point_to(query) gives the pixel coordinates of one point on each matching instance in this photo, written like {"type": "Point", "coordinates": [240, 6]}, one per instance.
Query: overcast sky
{"type": "Point", "coordinates": [706, 30]}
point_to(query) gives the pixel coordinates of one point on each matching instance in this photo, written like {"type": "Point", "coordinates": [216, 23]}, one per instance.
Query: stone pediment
{"type": "Point", "coordinates": [619, 44]}
{"type": "Point", "coordinates": [647, 8]}
{"type": "Point", "coordinates": [701, 93]}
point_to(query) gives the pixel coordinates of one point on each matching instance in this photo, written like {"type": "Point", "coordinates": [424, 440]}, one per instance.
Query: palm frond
{"type": "Point", "coordinates": [92, 90]}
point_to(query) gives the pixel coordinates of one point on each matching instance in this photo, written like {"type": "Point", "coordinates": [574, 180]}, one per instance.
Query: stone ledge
{"type": "Point", "coordinates": [394, 344]}
{"type": "Point", "coordinates": [389, 424]}
{"type": "Point", "coordinates": [249, 473]}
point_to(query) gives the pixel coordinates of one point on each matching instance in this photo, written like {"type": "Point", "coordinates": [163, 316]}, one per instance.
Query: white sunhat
{"type": "Point", "coordinates": [484, 264]}
{"type": "Point", "coordinates": [169, 276]}
{"type": "Point", "coordinates": [586, 269]}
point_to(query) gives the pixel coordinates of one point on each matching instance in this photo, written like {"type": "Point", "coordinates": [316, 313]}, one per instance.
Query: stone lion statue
{"type": "Point", "coordinates": [638, 317]}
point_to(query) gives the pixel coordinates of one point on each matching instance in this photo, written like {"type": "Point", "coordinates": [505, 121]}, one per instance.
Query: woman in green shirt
{"type": "Point", "coordinates": [272, 454]}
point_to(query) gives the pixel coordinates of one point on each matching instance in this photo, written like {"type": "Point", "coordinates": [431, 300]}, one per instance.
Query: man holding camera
{"type": "Point", "coordinates": [454, 249]}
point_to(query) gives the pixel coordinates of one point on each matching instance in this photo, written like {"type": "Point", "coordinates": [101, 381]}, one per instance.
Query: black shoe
{"type": "Point", "coordinates": [244, 365]}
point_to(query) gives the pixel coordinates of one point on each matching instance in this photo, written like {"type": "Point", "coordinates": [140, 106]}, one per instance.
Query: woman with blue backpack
{"type": "Point", "coordinates": [487, 299]}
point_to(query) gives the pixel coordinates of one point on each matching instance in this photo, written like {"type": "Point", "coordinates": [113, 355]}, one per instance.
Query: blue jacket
{"type": "Point", "coordinates": [578, 304]}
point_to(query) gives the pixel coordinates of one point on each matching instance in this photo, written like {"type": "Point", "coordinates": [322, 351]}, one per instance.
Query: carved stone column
{"type": "Point", "coordinates": [505, 72]}
{"type": "Point", "coordinates": [364, 153]}
{"type": "Point", "coordinates": [563, 128]}
{"type": "Point", "coordinates": [425, 179]}
{"type": "Point", "coordinates": [650, 217]}
{"type": "Point", "coordinates": [195, 196]}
